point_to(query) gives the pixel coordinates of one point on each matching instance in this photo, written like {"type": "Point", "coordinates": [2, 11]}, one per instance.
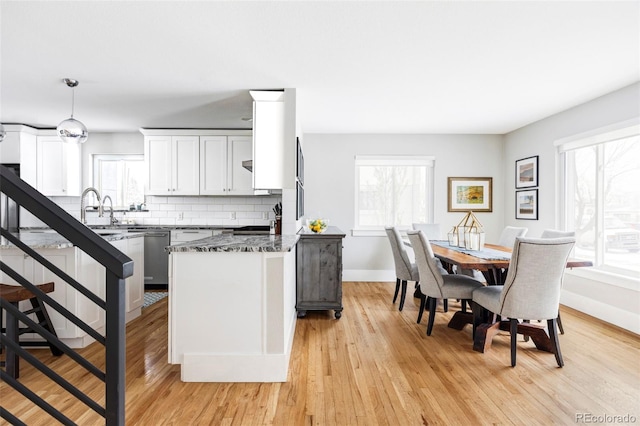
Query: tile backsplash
{"type": "Point", "coordinates": [207, 211]}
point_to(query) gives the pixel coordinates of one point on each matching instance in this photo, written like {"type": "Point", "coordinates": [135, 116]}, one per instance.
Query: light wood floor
{"type": "Point", "coordinates": [374, 366]}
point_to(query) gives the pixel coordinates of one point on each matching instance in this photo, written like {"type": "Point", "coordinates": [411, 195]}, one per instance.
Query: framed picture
{"type": "Point", "coordinates": [299, 163]}
{"type": "Point", "coordinates": [527, 204]}
{"type": "Point", "coordinates": [470, 194]}
{"type": "Point", "coordinates": [527, 172]}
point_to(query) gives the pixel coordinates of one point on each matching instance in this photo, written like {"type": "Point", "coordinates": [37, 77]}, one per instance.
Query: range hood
{"type": "Point", "coordinates": [248, 164]}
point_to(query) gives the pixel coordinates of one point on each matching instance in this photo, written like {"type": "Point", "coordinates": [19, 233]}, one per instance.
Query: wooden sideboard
{"type": "Point", "coordinates": [319, 271]}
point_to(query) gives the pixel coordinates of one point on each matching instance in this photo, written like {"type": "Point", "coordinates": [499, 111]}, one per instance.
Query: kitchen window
{"type": "Point", "coordinates": [601, 198]}
{"type": "Point", "coordinates": [121, 177]}
{"type": "Point", "coordinates": [392, 191]}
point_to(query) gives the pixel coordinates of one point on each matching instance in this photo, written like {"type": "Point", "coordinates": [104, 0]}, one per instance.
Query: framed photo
{"type": "Point", "coordinates": [527, 172]}
{"type": "Point", "coordinates": [470, 194]}
{"type": "Point", "coordinates": [527, 204]}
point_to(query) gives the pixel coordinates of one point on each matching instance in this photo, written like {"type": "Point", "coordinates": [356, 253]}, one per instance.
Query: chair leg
{"type": "Point", "coordinates": [395, 294]}
{"type": "Point", "coordinates": [560, 327]}
{"type": "Point", "coordinates": [553, 334]}
{"type": "Point", "coordinates": [45, 321]}
{"type": "Point", "coordinates": [403, 294]}
{"type": "Point", "coordinates": [513, 329]}
{"type": "Point", "coordinates": [433, 302]}
{"type": "Point", "coordinates": [445, 305]}
{"type": "Point", "coordinates": [423, 301]}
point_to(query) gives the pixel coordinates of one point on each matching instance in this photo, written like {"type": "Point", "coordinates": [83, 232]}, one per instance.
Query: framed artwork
{"type": "Point", "coordinates": [527, 172]}
{"type": "Point", "coordinates": [527, 204]}
{"type": "Point", "coordinates": [470, 194]}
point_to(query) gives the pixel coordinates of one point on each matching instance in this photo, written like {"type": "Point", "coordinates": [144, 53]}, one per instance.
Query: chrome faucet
{"type": "Point", "coordinates": [83, 214]}
{"type": "Point", "coordinates": [112, 220]}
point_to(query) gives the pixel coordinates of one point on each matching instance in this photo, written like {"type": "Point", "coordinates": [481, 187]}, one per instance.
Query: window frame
{"type": "Point", "coordinates": [607, 273]}
{"type": "Point", "coordinates": [391, 160]}
{"type": "Point", "coordinates": [97, 183]}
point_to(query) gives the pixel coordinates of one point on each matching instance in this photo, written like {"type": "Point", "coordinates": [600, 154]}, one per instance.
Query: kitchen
{"type": "Point", "coordinates": [373, 126]}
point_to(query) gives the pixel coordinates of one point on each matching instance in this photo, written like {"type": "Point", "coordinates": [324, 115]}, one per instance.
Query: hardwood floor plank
{"type": "Point", "coordinates": [374, 366]}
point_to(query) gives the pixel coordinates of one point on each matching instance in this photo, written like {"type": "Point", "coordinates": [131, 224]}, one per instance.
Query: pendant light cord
{"type": "Point", "coordinates": [73, 98]}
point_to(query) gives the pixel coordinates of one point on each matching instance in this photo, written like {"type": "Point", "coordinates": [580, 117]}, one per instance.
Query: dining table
{"type": "Point", "coordinates": [493, 262]}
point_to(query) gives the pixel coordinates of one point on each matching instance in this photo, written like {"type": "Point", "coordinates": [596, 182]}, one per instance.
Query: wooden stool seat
{"type": "Point", "coordinates": [15, 294]}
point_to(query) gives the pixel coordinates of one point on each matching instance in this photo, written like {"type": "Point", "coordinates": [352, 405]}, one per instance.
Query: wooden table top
{"type": "Point", "coordinates": [468, 261]}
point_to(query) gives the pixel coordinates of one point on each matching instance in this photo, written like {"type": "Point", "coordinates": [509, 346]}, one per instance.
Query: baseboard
{"type": "Point", "coordinates": [370, 275]}
{"type": "Point", "coordinates": [234, 368]}
{"type": "Point", "coordinates": [611, 314]}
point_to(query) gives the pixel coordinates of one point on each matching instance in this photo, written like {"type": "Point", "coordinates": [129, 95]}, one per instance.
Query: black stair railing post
{"type": "Point", "coordinates": [115, 350]}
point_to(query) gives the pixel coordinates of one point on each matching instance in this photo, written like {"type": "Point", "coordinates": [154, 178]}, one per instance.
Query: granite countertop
{"type": "Point", "coordinates": [53, 240]}
{"type": "Point", "coordinates": [238, 243]}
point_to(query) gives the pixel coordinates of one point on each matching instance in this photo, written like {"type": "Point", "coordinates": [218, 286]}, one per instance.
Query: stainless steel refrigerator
{"type": "Point", "coordinates": [9, 210]}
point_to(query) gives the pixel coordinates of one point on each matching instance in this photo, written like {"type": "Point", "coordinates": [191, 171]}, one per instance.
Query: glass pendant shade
{"type": "Point", "coordinates": [72, 131]}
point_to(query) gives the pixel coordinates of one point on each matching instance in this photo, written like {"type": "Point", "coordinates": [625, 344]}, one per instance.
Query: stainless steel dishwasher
{"type": "Point", "coordinates": [156, 259]}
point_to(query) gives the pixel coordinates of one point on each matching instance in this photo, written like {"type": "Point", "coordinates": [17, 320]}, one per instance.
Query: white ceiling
{"type": "Point", "coordinates": [358, 67]}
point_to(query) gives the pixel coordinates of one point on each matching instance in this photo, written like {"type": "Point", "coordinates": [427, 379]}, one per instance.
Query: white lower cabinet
{"type": "Point", "coordinates": [84, 269]}
{"type": "Point", "coordinates": [134, 296]}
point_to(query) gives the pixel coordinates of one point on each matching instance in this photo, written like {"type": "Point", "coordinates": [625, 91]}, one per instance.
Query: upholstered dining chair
{"type": "Point", "coordinates": [531, 290]}
{"type": "Point", "coordinates": [434, 284]}
{"type": "Point", "coordinates": [431, 230]}
{"type": "Point", "coordinates": [507, 239]}
{"type": "Point", "coordinates": [554, 233]}
{"type": "Point", "coordinates": [405, 269]}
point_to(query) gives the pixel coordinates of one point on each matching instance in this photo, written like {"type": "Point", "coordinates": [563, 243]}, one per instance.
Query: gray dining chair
{"type": "Point", "coordinates": [531, 290]}
{"type": "Point", "coordinates": [554, 233]}
{"type": "Point", "coordinates": [507, 239]}
{"type": "Point", "coordinates": [436, 284]}
{"type": "Point", "coordinates": [431, 230]}
{"type": "Point", "coordinates": [405, 269]}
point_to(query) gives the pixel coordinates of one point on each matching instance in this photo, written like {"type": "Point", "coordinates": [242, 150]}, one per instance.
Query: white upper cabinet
{"type": "Point", "coordinates": [213, 165]}
{"type": "Point", "coordinates": [58, 170]}
{"type": "Point", "coordinates": [199, 162]}
{"type": "Point", "coordinates": [221, 171]}
{"type": "Point", "coordinates": [239, 179]}
{"type": "Point", "coordinates": [274, 139]}
{"type": "Point", "coordinates": [173, 165]}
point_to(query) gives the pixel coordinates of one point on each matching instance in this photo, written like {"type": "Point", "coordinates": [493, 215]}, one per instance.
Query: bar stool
{"type": "Point", "coordinates": [15, 294]}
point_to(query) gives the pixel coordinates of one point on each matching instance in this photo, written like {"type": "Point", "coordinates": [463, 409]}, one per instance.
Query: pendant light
{"type": "Point", "coordinates": [71, 130]}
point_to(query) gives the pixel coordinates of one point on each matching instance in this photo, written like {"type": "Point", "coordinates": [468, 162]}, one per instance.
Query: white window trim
{"type": "Point", "coordinates": [612, 132]}
{"type": "Point", "coordinates": [418, 160]}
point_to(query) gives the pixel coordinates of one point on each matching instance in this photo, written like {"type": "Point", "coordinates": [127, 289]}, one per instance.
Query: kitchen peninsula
{"type": "Point", "coordinates": [232, 307]}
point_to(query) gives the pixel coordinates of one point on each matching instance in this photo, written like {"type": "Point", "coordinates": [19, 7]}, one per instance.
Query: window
{"type": "Point", "coordinates": [392, 190]}
{"type": "Point", "coordinates": [602, 200]}
{"type": "Point", "coordinates": [121, 177]}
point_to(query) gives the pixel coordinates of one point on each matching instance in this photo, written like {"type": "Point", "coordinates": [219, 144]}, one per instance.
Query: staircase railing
{"type": "Point", "coordinates": [118, 267]}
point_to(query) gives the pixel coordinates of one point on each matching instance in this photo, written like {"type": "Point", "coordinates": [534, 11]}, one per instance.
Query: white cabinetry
{"type": "Point", "coordinates": [79, 266]}
{"type": "Point", "coordinates": [198, 162]}
{"type": "Point", "coordinates": [58, 168]}
{"type": "Point", "coordinates": [221, 171]}
{"type": "Point", "coordinates": [173, 165]}
{"type": "Point", "coordinates": [274, 139]}
{"type": "Point", "coordinates": [134, 296]}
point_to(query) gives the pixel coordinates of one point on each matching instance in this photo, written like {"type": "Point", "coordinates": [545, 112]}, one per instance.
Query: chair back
{"type": "Point", "coordinates": [554, 233]}
{"type": "Point", "coordinates": [431, 230]}
{"type": "Point", "coordinates": [400, 255]}
{"type": "Point", "coordinates": [532, 287]}
{"type": "Point", "coordinates": [431, 280]}
{"type": "Point", "coordinates": [509, 235]}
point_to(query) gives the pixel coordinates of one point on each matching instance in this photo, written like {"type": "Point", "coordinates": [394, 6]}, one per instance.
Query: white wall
{"type": "Point", "coordinates": [330, 188]}
{"type": "Point", "coordinates": [612, 298]}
